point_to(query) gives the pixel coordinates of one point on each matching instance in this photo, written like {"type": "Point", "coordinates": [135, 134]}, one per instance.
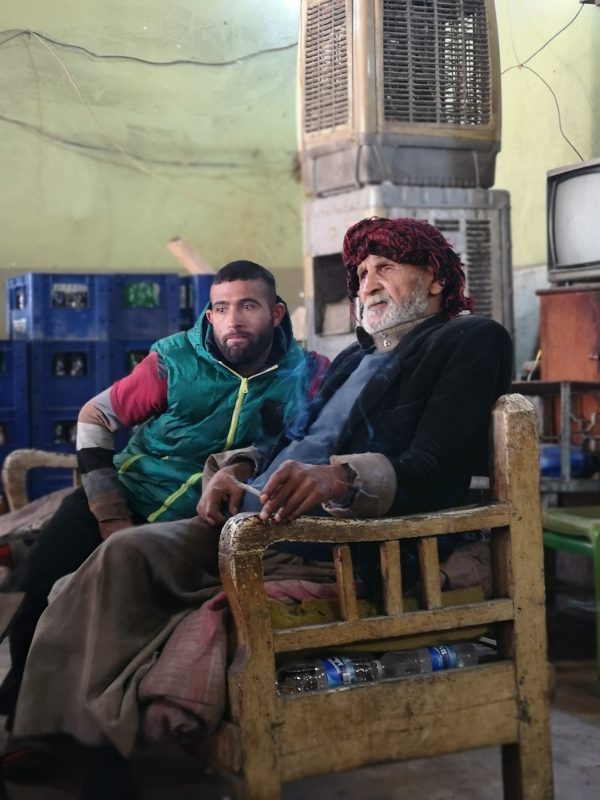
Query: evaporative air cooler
{"type": "Point", "coordinates": [400, 116]}
{"type": "Point", "coordinates": [399, 91]}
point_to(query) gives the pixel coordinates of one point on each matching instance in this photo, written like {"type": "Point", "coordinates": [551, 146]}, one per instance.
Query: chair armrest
{"type": "Point", "coordinates": [245, 534]}
{"type": "Point", "coordinates": [19, 462]}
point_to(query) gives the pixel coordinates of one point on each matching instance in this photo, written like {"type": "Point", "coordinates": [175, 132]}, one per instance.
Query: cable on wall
{"type": "Point", "coordinates": [132, 160]}
{"type": "Point", "coordinates": [560, 127]}
{"type": "Point", "coordinates": [242, 167]}
{"type": "Point", "coordinates": [15, 33]}
{"type": "Point", "coordinates": [138, 162]}
{"type": "Point", "coordinates": [523, 65]}
{"type": "Point", "coordinates": [539, 50]}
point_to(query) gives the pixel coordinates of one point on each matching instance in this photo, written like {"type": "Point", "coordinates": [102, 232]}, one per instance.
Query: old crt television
{"type": "Point", "coordinates": [573, 206]}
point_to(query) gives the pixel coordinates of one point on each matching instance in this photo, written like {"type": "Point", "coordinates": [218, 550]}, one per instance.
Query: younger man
{"type": "Point", "coordinates": [236, 376]}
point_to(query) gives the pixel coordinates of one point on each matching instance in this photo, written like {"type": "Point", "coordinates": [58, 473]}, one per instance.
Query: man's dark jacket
{"type": "Point", "coordinates": [427, 409]}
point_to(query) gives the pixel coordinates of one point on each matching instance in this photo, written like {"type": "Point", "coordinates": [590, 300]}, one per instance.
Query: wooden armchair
{"type": "Point", "coordinates": [268, 739]}
{"type": "Point", "coordinates": [17, 464]}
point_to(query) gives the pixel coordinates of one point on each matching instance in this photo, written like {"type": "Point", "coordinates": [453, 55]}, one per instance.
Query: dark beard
{"type": "Point", "coordinates": [251, 351]}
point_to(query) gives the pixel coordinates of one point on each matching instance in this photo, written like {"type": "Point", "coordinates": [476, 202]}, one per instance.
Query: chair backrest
{"type": "Point", "coordinates": [17, 464]}
{"type": "Point", "coordinates": [272, 738]}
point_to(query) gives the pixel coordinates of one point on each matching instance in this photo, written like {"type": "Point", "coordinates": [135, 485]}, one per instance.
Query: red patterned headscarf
{"type": "Point", "coordinates": [407, 241]}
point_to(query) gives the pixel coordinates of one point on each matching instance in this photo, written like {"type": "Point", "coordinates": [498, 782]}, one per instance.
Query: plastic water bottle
{"type": "Point", "coordinates": [400, 663]}
{"type": "Point", "coordinates": [328, 672]}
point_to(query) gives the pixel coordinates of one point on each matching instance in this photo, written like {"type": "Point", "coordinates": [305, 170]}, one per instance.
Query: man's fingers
{"type": "Point", "coordinates": [209, 509]}
{"type": "Point", "coordinates": [235, 501]}
{"type": "Point", "coordinates": [291, 501]}
{"type": "Point", "coordinates": [277, 498]}
{"type": "Point", "coordinates": [214, 516]}
{"type": "Point", "coordinates": [285, 472]}
{"type": "Point", "coordinates": [297, 504]}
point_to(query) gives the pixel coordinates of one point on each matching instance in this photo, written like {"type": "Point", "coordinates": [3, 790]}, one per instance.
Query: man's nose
{"type": "Point", "coordinates": [371, 282]}
{"type": "Point", "coordinates": [234, 318]}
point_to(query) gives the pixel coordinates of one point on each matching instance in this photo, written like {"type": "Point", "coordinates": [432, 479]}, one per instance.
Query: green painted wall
{"type": "Point", "coordinates": [209, 150]}
{"type": "Point", "coordinates": [531, 138]}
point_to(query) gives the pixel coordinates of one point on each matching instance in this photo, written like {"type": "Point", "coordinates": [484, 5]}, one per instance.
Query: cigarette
{"type": "Point", "coordinates": [246, 488]}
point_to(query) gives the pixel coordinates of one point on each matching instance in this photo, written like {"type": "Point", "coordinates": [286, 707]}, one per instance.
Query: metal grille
{"type": "Point", "coordinates": [476, 236]}
{"type": "Point", "coordinates": [436, 63]}
{"type": "Point", "coordinates": [326, 66]}
{"type": "Point", "coordinates": [478, 263]}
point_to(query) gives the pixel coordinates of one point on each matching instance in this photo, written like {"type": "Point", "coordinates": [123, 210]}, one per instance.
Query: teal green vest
{"type": "Point", "coordinates": [210, 408]}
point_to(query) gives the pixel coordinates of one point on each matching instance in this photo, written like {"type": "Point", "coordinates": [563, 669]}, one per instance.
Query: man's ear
{"type": "Point", "coordinates": [278, 313]}
{"type": "Point", "coordinates": [209, 315]}
{"type": "Point", "coordinates": [436, 288]}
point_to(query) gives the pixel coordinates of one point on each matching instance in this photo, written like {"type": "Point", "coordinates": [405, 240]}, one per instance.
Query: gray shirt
{"type": "Point", "coordinates": [318, 443]}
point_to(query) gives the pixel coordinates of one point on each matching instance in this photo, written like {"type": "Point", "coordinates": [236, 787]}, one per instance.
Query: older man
{"type": "Point", "coordinates": [399, 426]}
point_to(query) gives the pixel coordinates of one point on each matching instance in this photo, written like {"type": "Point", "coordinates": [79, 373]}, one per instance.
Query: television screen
{"type": "Point", "coordinates": [573, 240]}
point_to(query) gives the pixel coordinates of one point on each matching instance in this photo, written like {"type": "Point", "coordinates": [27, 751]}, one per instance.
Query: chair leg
{"type": "Point", "coordinates": [523, 774]}
{"type": "Point", "coordinates": [246, 788]}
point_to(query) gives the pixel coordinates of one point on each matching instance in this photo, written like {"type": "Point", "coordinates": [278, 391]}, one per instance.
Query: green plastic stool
{"type": "Point", "coordinates": [577, 530]}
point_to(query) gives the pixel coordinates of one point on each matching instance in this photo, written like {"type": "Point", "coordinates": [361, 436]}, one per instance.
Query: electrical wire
{"type": "Point", "coordinates": [523, 65]}
{"type": "Point", "coordinates": [551, 39]}
{"type": "Point", "coordinates": [242, 166]}
{"type": "Point", "coordinates": [136, 163]}
{"type": "Point", "coordinates": [539, 50]}
{"type": "Point", "coordinates": [123, 57]}
{"type": "Point", "coordinates": [140, 163]}
{"type": "Point", "coordinates": [512, 33]}
{"type": "Point", "coordinates": [14, 36]}
{"type": "Point", "coordinates": [555, 98]}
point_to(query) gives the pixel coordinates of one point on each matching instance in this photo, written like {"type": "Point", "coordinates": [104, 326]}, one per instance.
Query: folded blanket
{"type": "Point", "coordinates": [184, 691]}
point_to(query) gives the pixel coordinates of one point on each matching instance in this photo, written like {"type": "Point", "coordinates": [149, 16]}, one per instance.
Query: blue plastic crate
{"type": "Point", "coordinates": [46, 306]}
{"type": "Point", "coordinates": [125, 355]}
{"type": "Point", "coordinates": [14, 430]}
{"type": "Point", "coordinates": [185, 309]}
{"type": "Point", "coordinates": [54, 430]}
{"type": "Point", "coordinates": [144, 306]}
{"type": "Point", "coordinates": [67, 373]}
{"type": "Point", "coordinates": [14, 375]}
{"type": "Point", "coordinates": [195, 294]}
{"type": "Point", "coordinates": [42, 481]}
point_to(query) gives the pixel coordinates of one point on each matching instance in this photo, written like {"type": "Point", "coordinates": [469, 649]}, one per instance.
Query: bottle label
{"type": "Point", "coordinates": [340, 671]}
{"type": "Point", "coordinates": [442, 657]}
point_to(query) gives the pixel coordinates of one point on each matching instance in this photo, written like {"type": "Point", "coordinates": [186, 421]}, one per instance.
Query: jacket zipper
{"type": "Point", "coordinates": [239, 402]}
{"type": "Point", "coordinates": [242, 392]}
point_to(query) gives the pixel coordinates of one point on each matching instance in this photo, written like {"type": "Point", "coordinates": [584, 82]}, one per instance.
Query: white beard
{"type": "Point", "coordinates": [412, 307]}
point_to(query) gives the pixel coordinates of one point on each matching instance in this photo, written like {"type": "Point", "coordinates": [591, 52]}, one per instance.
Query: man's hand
{"type": "Point", "coordinates": [110, 526]}
{"type": "Point", "coordinates": [294, 488]}
{"type": "Point", "coordinates": [223, 491]}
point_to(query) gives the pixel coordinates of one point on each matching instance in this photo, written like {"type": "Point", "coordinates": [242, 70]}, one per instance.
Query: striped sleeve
{"type": "Point", "coordinates": [128, 402]}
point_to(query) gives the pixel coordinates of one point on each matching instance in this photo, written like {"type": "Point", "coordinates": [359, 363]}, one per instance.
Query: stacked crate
{"type": "Point", "coordinates": [195, 294]}
{"type": "Point", "coordinates": [14, 393]}
{"type": "Point", "coordinates": [82, 332]}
